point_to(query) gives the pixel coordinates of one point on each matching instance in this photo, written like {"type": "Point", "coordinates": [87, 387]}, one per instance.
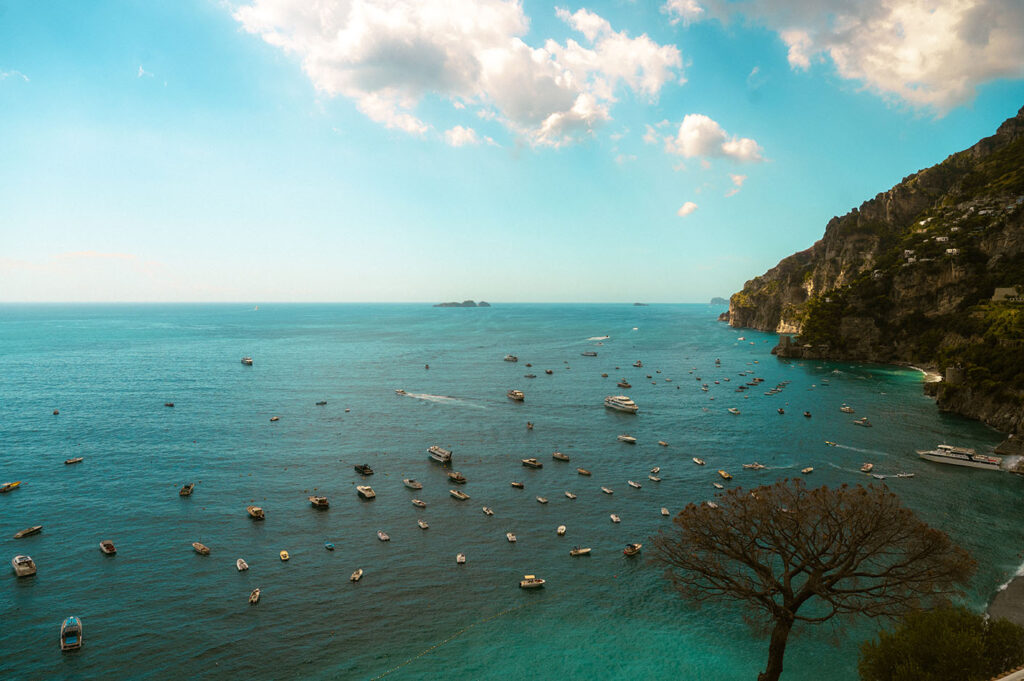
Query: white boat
{"type": "Point", "coordinates": [356, 576]}
{"type": "Point", "coordinates": [542, 500]}
{"type": "Point", "coordinates": [560, 531]}
{"type": "Point", "coordinates": [458, 494]}
{"type": "Point", "coordinates": [656, 470]}
{"type": "Point", "coordinates": [607, 490]}
{"type": "Point", "coordinates": [532, 463]}
{"type": "Point", "coordinates": [383, 536]}
{"type": "Point", "coordinates": [579, 551]}
{"type": "Point", "coordinates": [809, 469]}
{"type": "Point", "coordinates": [632, 549]}
{"type": "Point", "coordinates": [412, 484]}
{"type": "Point", "coordinates": [718, 485]}
{"type": "Point", "coordinates": [516, 395]}
{"type": "Point", "coordinates": [846, 410]}
{"type": "Point", "coordinates": [241, 565]}
{"type": "Point", "coordinates": [254, 596]}
{"type": "Point", "coordinates": [628, 439]}
{"type": "Point", "coordinates": [570, 495]}
{"type": "Point", "coordinates": [460, 558]}
{"type": "Point", "coordinates": [511, 537]}
{"type": "Point", "coordinates": [488, 510]}
{"type": "Point", "coordinates": [662, 442]}
{"type": "Point", "coordinates": [419, 504]}
{"type": "Point", "coordinates": [440, 454]}
{"type": "Point", "coordinates": [653, 478]}
{"type": "Point", "coordinates": [904, 475]}
{"type": "Point", "coordinates": [699, 462]}
{"type": "Point", "coordinates": [247, 361]}
{"type": "Point", "coordinates": [511, 358]}
{"type": "Point", "coordinates": [366, 492]}
{"type": "Point", "coordinates": [710, 504]}
{"type": "Point", "coordinates": [560, 456]}
{"type": "Point", "coordinates": [615, 518]}
{"type": "Point", "coordinates": [664, 511]}
{"type": "Point", "coordinates": [633, 484]}
{"type": "Point", "coordinates": [531, 582]}
{"type": "Point", "coordinates": [961, 456]}
{"type": "Point", "coordinates": [399, 391]}
{"type": "Point", "coordinates": [423, 524]}
{"type": "Point", "coordinates": [734, 410]}
{"type": "Point", "coordinates": [867, 468]}
{"type": "Point", "coordinates": [621, 403]}
{"type": "Point", "coordinates": [754, 466]}
{"type": "Point", "coordinates": [23, 566]}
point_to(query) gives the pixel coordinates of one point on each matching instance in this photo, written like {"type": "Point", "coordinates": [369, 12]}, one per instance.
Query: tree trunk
{"type": "Point", "coordinates": [776, 650]}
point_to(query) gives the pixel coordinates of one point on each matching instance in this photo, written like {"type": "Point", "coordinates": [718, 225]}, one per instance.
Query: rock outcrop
{"type": "Point", "coordinates": [923, 273]}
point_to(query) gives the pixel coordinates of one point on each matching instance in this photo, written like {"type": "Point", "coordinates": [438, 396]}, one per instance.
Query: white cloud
{"type": "Point", "coordinates": [929, 53]}
{"type": "Point", "coordinates": [683, 11]}
{"type": "Point", "coordinates": [737, 181]}
{"type": "Point", "coordinates": [143, 72]}
{"type": "Point", "coordinates": [4, 75]}
{"type": "Point", "coordinates": [388, 55]}
{"type": "Point", "coordinates": [700, 136]}
{"type": "Point", "coordinates": [650, 135]}
{"type": "Point", "coordinates": [622, 159]}
{"type": "Point", "coordinates": [460, 136]}
{"type": "Point", "coordinates": [686, 209]}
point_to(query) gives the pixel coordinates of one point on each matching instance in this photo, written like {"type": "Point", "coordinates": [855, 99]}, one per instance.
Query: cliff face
{"type": "Point", "coordinates": [910, 276]}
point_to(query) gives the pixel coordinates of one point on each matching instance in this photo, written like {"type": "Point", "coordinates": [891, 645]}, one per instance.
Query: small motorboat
{"type": "Point", "coordinates": [487, 510]}
{"type": "Point", "coordinates": [201, 549]}
{"type": "Point", "coordinates": [549, 371]}
{"type": "Point", "coordinates": [583, 471]}
{"type": "Point", "coordinates": [863, 421]}
{"type": "Point", "coordinates": [846, 409]}
{"type": "Point", "coordinates": [28, 531]}
{"type": "Point", "coordinates": [321, 403]}
{"type": "Point", "coordinates": [366, 492]}
{"type": "Point", "coordinates": [579, 551]}
{"type": "Point", "coordinates": [241, 565]}
{"type": "Point", "coordinates": [423, 524]}
{"type": "Point", "coordinates": [809, 469]}
{"type": "Point", "coordinates": [542, 500]}
{"type": "Point", "coordinates": [402, 392]}
{"type": "Point", "coordinates": [532, 463]}
{"type": "Point", "coordinates": [274, 419]}
{"type": "Point", "coordinates": [718, 485]}
{"type": "Point", "coordinates": [638, 364]}
{"type": "Point", "coordinates": [653, 478]}
{"type": "Point", "coordinates": [77, 459]}
{"type": "Point", "coordinates": [628, 439]}
{"type": "Point", "coordinates": [10, 486]}
{"type": "Point", "coordinates": [867, 468]}
{"type": "Point", "coordinates": [319, 502]}
{"type": "Point", "coordinates": [363, 469]}
{"type": "Point", "coordinates": [458, 494]}
{"type": "Point", "coordinates": [624, 384]}
{"type": "Point", "coordinates": [615, 518]}
{"type": "Point", "coordinates": [23, 566]}
{"type": "Point", "coordinates": [531, 582]}
{"type": "Point", "coordinates": [255, 512]}
{"type": "Point", "coordinates": [511, 358]}
{"type": "Point", "coordinates": [560, 456]}
{"type": "Point", "coordinates": [604, 375]}
{"type": "Point", "coordinates": [632, 549]}
{"type": "Point", "coordinates": [107, 547]}
{"type": "Point", "coordinates": [186, 490]}
{"type": "Point", "coordinates": [412, 484]}
{"type": "Point", "coordinates": [418, 503]}
{"type": "Point", "coordinates": [284, 555]}
{"type": "Point", "coordinates": [699, 462]}
{"type": "Point", "coordinates": [168, 404]}
{"type": "Point", "coordinates": [725, 476]}
{"type": "Point", "coordinates": [329, 545]}
{"type": "Point", "coordinates": [662, 443]}
{"type": "Point", "coordinates": [511, 537]}
{"type": "Point", "coordinates": [711, 504]}
{"type": "Point", "coordinates": [457, 477]}
{"type": "Point", "coordinates": [247, 361]}
{"type": "Point", "coordinates": [633, 484]}
{"type": "Point", "coordinates": [560, 531]}
{"type": "Point", "coordinates": [254, 596]}
{"type": "Point", "coordinates": [656, 470]}
{"type": "Point", "coordinates": [607, 490]}
{"type": "Point", "coordinates": [383, 536]}
{"type": "Point", "coordinates": [460, 559]}
{"type": "Point", "coordinates": [71, 634]}
{"type": "Point", "coordinates": [515, 395]}
{"type": "Point", "coordinates": [570, 495]}
{"type": "Point", "coordinates": [529, 375]}
{"type": "Point", "coordinates": [831, 444]}
{"type": "Point", "coordinates": [904, 475]}
{"type": "Point", "coordinates": [807, 414]}
{"type": "Point", "coordinates": [356, 576]}
{"type": "Point", "coordinates": [664, 511]}
{"type": "Point", "coordinates": [734, 410]}
{"type": "Point", "coordinates": [588, 353]}
{"type": "Point", "coordinates": [781, 410]}
{"type": "Point", "coordinates": [754, 466]}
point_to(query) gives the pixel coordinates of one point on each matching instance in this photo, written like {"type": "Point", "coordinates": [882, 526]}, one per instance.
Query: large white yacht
{"type": "Point", "coordinates": [961, 456]}
{"type": "Point", "coordinates": [440, 454]}
{"type": "Point", "coordinates": [621, 403]}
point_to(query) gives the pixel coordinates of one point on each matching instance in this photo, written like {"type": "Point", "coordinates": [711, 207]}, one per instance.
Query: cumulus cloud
{"type": "Point", "coordinates": [686, 209]}
{"type": "Point", "coordinates": [929, 53]}
{"type": "Point", "coordinates": [737, 181]}
{"type": "Point", "coordinates": [683, 11]}
{"type": "Point", "coordinates": [388, 55]}
{"type": "Point", "coordinates": [701, 136]}
{"type": "Point", "coordinates": [460, 136]}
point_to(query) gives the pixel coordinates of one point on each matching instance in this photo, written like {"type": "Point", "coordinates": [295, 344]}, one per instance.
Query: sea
{"type": "Point", "coordinates": [158, 610]}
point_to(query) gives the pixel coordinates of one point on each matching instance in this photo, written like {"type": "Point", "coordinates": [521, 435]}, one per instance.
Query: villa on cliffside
{"type": "Point", "coordinates": [1008, 295]}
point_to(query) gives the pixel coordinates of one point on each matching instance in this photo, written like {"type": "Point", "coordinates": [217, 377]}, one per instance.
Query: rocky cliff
{"type": "Point", "coordinates": [929, 272]}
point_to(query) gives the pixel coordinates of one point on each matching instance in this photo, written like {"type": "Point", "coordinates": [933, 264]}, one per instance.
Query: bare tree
{"type": "Point", "coordinates": [845, 551]}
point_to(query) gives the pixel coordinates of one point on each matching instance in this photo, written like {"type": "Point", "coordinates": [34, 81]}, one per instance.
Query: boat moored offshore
{"type": "Point", "coordinates": [23, 566]}
{"type": "Point", "coordinates": [961, 456]}
{"type": "Point", "coordinates": [440, 454]}
{"type": "Point", "coordinates": [621, 403]}
{"type": "Point", "coordinates": [71, 633]}
{"type": "Point", "coordinates": [366, 492]}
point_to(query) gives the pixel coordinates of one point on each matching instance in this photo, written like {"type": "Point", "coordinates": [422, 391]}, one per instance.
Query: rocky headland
{"type": "Point", "coordinates": [928, 273]}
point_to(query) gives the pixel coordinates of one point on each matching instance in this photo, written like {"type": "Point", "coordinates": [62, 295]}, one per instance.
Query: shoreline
{"type": "Point", "coordinates": [929, 375]}
{"type": "Point", "coordinates": [1008, 600]}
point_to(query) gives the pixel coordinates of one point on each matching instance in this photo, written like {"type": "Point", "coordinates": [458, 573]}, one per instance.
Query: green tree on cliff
{"type": "Point", "coordinates": [807, 555]}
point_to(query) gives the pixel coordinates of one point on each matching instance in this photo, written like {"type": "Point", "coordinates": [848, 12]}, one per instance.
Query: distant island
{"type": "Point", "coordinates": [639, 304]}
{"type": "Point", "coordinates": [718, 300]}
{"type": "Point", "coordinates": [465, 303]}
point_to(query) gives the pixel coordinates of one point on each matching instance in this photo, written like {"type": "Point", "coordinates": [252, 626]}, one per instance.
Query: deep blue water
{"type": "Point", "coordinates": [158, 610]}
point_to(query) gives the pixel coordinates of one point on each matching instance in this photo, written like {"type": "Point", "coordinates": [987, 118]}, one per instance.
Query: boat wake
{"type": "Point", "coordinates": [863, 451]}
{"type": "Point", "coordinates": [443, 399]}
{"type": "Point", "coordinates": [592, 338]}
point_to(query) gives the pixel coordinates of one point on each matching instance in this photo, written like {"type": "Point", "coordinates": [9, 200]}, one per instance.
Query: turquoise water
{"type": "Point", "coordinates": [158, 610]}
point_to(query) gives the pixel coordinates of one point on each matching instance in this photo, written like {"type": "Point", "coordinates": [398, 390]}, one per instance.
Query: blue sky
{"type": "Point", "coordinates": [618, 151]}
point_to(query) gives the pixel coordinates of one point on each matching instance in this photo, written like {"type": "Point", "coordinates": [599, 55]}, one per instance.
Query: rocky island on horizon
{"type": "Point", "coordinates": [464, 303]}
{"type": "Point", "coordinates": [929, 273]}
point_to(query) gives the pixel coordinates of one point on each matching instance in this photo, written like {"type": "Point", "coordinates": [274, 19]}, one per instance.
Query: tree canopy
{"type": "Point", "coordinates": [799, 554]}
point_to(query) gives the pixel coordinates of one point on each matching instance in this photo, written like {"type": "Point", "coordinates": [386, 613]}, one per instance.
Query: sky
{"type": "Point", "coordinates": [430, 150]}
